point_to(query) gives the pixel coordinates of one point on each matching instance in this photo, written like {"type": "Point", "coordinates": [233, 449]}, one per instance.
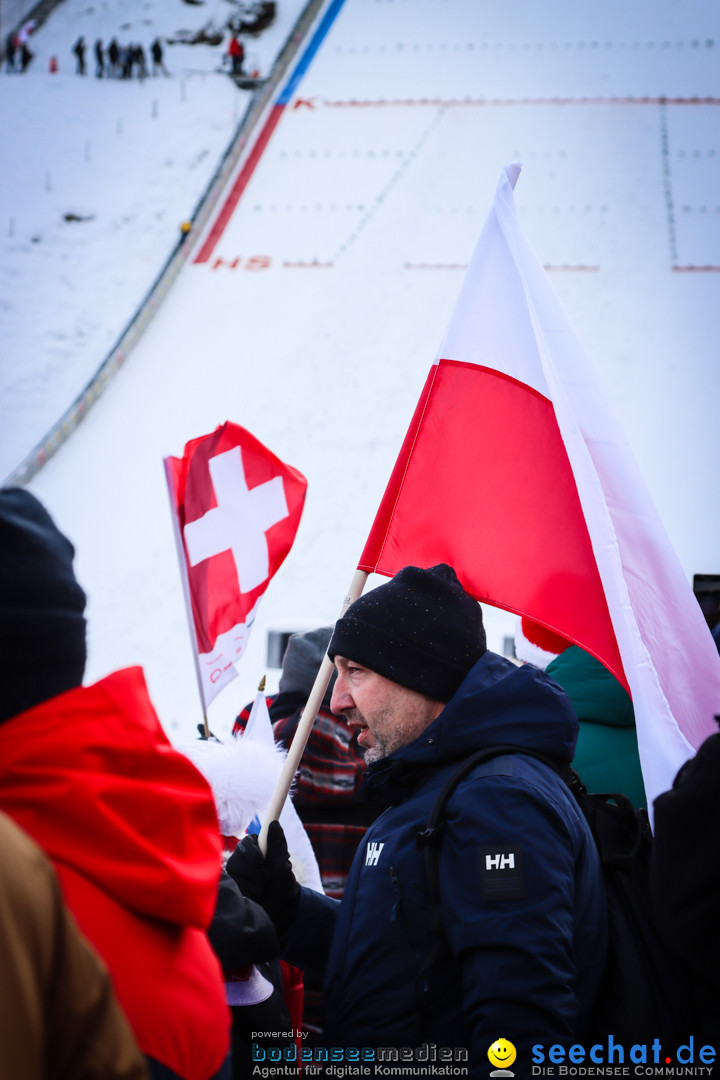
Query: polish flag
{"type": "Point", "coordinates": [236, 508]}
{"type": "Point", "coordinates": [515, 472]}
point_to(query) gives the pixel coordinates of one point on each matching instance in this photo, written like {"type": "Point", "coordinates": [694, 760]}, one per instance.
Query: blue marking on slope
{"type": "Point", "coordinates": [309, 54]}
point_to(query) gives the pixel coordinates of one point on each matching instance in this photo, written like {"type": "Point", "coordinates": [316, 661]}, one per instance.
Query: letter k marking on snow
{"type": "Point", "coordinates": [239, 521]}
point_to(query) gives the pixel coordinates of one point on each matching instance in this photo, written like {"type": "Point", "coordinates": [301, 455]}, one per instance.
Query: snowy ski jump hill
{"type": "Point", "coordinates": [312, 304]}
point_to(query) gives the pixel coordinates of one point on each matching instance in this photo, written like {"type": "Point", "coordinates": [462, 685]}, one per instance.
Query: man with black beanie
{"type": "Point", "coordinates": [512, 948]}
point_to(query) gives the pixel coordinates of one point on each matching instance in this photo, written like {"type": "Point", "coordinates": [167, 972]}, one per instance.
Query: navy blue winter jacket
{"type": "Point", "coordinates": [525, 950]}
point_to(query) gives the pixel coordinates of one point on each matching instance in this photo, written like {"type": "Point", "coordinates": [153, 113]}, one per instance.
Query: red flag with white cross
{"type": "Point", "coordinates": [237, 508]}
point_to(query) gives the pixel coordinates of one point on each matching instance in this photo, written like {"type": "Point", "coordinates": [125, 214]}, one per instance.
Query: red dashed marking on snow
{"type": "Point", "coordinates": [696, 269]}
{"type": "Point", "coordinates": [463, 266]}
{"type": "Point", "coordinates": [436, 266]}
{"type": "Point", "coordinates": [307, 265]}
{"type": "Point", "coordinates": [444, 103]}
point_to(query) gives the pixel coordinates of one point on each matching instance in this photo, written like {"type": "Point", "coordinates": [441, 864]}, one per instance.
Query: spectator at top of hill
{"type": "Point", "coordinates": [17, 49]}
{"type": "Point", "coordinates": [236, 52]}
{"type": "Point", "coordinates": [11, 48]}
{"type": "Point", "coordinates": [113, 56]}
{"type": "Point", "coordinates": [139, 60]}
{"type": "Point", "coordinates": [156, 51]}
{"type": "Point", "coordinates": [79, 51]}
{"type": "Point", "coordinates": [25, 56]}
{"type": "Point", "coordinates": [25, 32]}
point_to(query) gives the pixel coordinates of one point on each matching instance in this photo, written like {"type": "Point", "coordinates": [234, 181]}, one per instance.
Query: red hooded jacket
{"type": "Point", "coordinates": [131, 827]}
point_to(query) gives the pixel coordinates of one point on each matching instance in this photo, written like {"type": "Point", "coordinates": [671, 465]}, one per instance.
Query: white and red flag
{"type": "Point", "coordinates": [237, 508]}
{"type": "Point", "coordinates": [515, 472]}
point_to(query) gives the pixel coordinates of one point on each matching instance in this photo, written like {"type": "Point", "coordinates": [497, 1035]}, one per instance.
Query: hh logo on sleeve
{"type": "Point", "coordinates": [372, 853]}
{"type": "Point", "coordinates": [502, 873]}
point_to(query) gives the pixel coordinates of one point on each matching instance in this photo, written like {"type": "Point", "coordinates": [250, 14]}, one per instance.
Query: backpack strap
{"type": "Point", "coordinates": [428, 841]}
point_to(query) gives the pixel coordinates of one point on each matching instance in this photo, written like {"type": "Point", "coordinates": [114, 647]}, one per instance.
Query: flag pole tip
{"type": "Point", "coordinates": [261, 684]}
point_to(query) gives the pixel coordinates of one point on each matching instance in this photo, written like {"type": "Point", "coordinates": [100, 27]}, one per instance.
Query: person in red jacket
{"type": "Point", "coordinates": [236, 52]}
{"type": "Point", "coordinates": [128, 822]}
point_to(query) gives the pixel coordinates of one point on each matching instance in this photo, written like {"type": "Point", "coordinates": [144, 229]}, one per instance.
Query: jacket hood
{"type": "Point", "coordinates": [91, 775]}
{"type": "Point", "coordinates": [595, 693]}
{"type": "Point", "coordinates": [496, 703]}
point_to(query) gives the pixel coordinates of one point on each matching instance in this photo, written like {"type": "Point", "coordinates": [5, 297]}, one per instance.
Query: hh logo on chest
{"type": "Point", "coordinates": [372, 853]}
{"type": "Point", "coordinates": [500, 861]}
{"type": "Point", "coordinates": [502, 874]}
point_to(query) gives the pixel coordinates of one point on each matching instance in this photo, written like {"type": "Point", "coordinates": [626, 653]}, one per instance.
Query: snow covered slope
{"type": "Point", "coordinates": [313, 315]}
{"type": "Point", "coordinates": [98, 177]}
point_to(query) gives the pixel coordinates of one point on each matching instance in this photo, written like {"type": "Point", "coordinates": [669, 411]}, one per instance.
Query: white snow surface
{"type": "Point", "coordinates": [364, 208]}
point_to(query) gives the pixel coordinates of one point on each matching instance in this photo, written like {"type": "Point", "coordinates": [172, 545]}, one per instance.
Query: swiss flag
{"type": "Point", "coordinates": [515, 472]}
{"type": "Point", "coordinates": [237, 509]}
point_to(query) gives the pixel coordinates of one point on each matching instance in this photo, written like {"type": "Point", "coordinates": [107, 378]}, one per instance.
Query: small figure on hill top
{"type": "Point", "coordinates": [79, 50]}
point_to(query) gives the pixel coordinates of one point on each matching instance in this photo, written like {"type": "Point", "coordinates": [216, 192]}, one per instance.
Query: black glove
{"type": "Point", "coordinates": [241, 932]}
{"type": "Point", "coordinates": [267, 879]}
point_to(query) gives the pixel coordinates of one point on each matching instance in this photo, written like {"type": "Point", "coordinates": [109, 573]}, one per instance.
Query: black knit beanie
{"type": "Point", "coordinates": [42, 626]}
{"type": "Point", "coordinates": [421, 630]}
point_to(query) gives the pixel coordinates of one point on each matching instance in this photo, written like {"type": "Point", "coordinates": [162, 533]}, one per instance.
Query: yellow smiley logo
{"type": "Point", "coordinates": [502, 1053]}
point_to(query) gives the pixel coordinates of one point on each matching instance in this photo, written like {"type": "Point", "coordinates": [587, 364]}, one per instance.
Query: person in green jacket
{"type": "Point", "coordinates": [606, 755]}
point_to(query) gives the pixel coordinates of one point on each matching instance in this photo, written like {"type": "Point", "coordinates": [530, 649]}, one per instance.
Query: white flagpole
{"type": "Point", "coordinates": [302, 734]}
{"type": "Point", "coordinates": [186, 588]}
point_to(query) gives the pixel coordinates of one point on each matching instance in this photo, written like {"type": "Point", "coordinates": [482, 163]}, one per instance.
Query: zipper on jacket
{"type": "Point", "coordinates": [397, 893]}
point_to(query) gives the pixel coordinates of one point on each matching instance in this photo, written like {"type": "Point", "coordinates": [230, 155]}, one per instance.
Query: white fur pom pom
{"type": "Point", "coordinates": [243, 775]}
